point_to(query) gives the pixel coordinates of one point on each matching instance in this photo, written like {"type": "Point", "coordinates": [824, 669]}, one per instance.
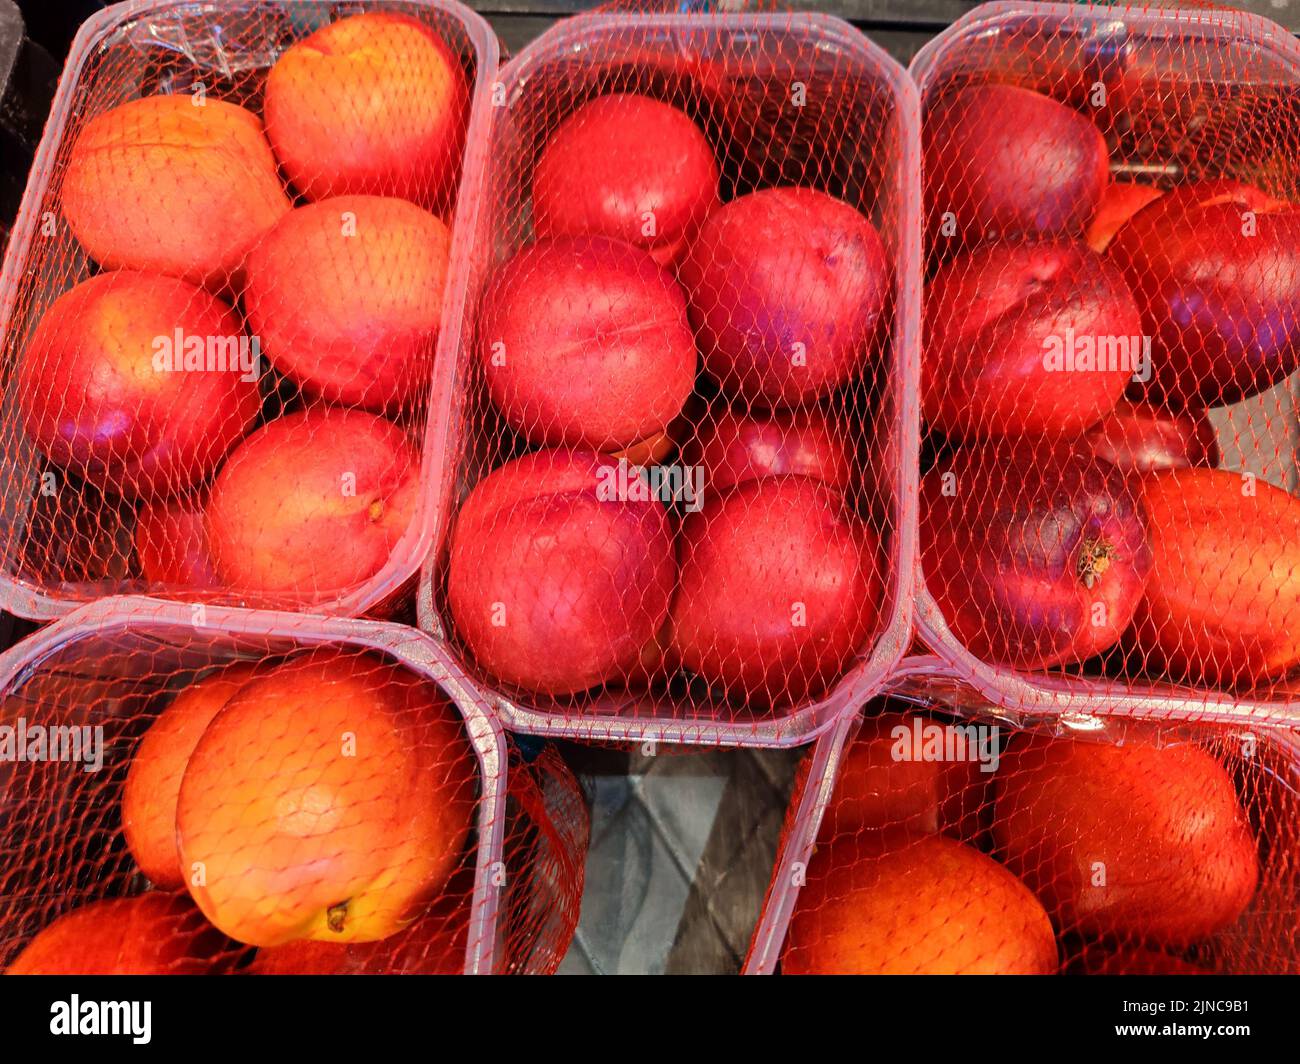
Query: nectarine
{"type": "Point", "coordinates": [182, 185]}
{"type": "Point", "coordinates": [733, 448]}
{"type": "Point", "coordinates": [376, 103]}
{"type": "Point", "coordinates": [785, 287]}
{"type": "Point", "coordinates": [312, 502]}
{"type": "Point", "coordinates": [345, 296]}
{"type": "Point", "coordinates": [138, 382]}
{"type": "Point", "coordinates": [629, 167]}
{"type": "Point", "coordinates": [171, 544]}
{"type": "Point", "coordinates": [555, 582]}
{"type": "Point", "coordinates": [330, 799]}
{"type": "Point", "coordinates": [585, 342]}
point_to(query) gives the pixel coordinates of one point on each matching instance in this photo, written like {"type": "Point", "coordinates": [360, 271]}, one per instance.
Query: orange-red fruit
{"type": "Point", "coordinates": [376, 103]}
{"type": "Point", "coordinates": [112, 388]}
{"type": "Point", "coordinates": [151, 934]}
{"type": "Point", "coordinates": [1135, 841]}
{"type": "Point", "coordinates": [312, 503]}
{"type": "Point", "coordinates": [559, 580]}
{"type": "Point", "coordinates": [153, 781]}
{"type": "Point", "coordinates": [628, 167]}
{"type": "Point", "coordinates": [584, 342]}
{"type": "Point", "coordinates": [330, 799]}
{"type": "Point", "coordinates": [1222, 605]}
{"type": "Point", "coordinates": [780, 588]}
{"type": "Point", "coordinates": [1120, 201]}
{"type": "Point", "coordinates": [891, 778]}
{"type": "Point", "coordinates": [931, 906]}
{"type": "Point", "coordinates": [785, 287]}
{"type": "Point", "coordinates": [345, 296]}
{"type": "Point", "coordinates": [171, 545]}
{"type": "Point", "coordinates": [172, 184]}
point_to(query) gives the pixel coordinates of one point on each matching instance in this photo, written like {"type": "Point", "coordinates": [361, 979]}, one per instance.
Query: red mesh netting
{"type": "Point", "coordinates": [679, 483]}
{"type": "Point", "coordinates": [233, 266]}
{"type": "Point", "coordinates": [1111, 324]}
{"type": "Point", "coordinates": [183, 795]}
{"type": "Point", "coordinates": [1107, 848]}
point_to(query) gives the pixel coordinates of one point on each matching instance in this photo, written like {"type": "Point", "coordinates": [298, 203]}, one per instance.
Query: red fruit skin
{"type": "Point", "coordinates": [1223, 306]}
{"type": "Point", "coordinates": [734, 448]}
{"type": "Point", "coordinates": [351, 313]}
{"type": "Point", "coordinates": [930, 906]}
{"type": "Point", "coordinates": [755, 561]}
{"type": "Point", "coordinates": [1008, 162]}
{"type": "Point", "coordinates": [618, 159]}
{"type": "Point", "coordinates": [93, 401]}
{"type": "Point", "coordinates": [1008, 555]}
{"type": "Point", "coordinates": [1223, 603]}
{"type": "Point", "coordinates": [373, 104]}
{"type": "Point", "coordinates": [995, 321]}
{"type": "Point", "coordinates": [584, 342]}
{"type": "Point", "coordinates": [1120, 201]}
{"type": "Point", "coordinates": [780, 268]}
{"type": "Point", "coordinates": [879, 791]}
{"type": "Point", "coordinates": [280, 519]}
{"type": "Point", "coordinates": [171, 545]}
{"type": "Point", "coordinates": [555, 586]}
{"type": "Point", "coordinates": [1137, 961]}
{"type": "Point", "coordinates": [150, 934]}
{"type": "Point", "coordinates": [1138, 438]}
{"type": "Point", "coordinates": [1164, 823]}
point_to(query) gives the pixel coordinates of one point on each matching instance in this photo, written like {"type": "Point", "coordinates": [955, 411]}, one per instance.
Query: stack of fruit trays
{"type": "Point", "coordinates": [239, 254]}
{"type": "Point", "coordinates": [699, 365]}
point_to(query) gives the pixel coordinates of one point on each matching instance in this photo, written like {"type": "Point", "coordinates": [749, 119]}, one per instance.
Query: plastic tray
{"type": "Point", "coordinates": [750, 60]}
{"type": "Point", "coordinates": [112, 664]}
{"type": "Point", "coordinates": [1220, 69]}
{"type": "Point", "coordinates": [54, 556]}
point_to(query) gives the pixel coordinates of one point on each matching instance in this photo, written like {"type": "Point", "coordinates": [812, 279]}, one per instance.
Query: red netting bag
{"type": "Point", "coordinates": [239, 251]}
{"type": "Point", "coordinates": [942, 836]}
{"type": "Point", "coordinates": [229, 792]}
{"type": "Point", "coordinates": [1112, 321]}
{"type": "Point", "coordinates": [682, 511]}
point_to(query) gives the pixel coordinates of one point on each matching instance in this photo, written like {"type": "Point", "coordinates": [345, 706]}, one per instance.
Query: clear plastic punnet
{"type": "Point", "coordinates": [685, 496]}
{"type": "Point", "coordinates": [238, 268]}
{"type": "Point", "coordinates": [199, 789]}
{"type": "Point", "coordinates": [933, 833]}
{"type": "Point", "coordinates": [1108, 512]}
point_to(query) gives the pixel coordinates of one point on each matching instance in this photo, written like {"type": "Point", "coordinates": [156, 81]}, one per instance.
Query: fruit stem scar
{"type": "Point", "coordinates": [376, 510]}
{"type": "Point", "coordinates": [336, 914]}
{"type": "Point", "coordinates": [1095, 557]}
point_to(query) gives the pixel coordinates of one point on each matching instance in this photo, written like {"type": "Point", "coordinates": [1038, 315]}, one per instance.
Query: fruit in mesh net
{"type": "Point", "coordinates": [561, 570]}
{"type": "Point", "coordinates": [311, 502]}
{"type": "Point", "coordinates": [1134, 960]}
{"type": "Point", "coordinates": [780, 588]}
{"type": "Point", "coordinates": [375, 103]}
{"type": "Point", "coordinates": [345, 296]}
{"type": "Point", "coordinates": [153, 781]}
{"type": "Point", "coordinates": [180, 185]}
{"type": "Point", "coordinates": [1121, 200]}
{"type": "Point", "coordinates": [1223, 602]}
{"type": "Point", "coordinates": [584, 341]}
{"type": "Point", "coordinates": [628, 167]}
{"type": "Point", "coordinates": [137, 382]}
{"type": "Point", "coordinates": [1215, 267]}
{"type": "Point", "coordinates": [892, 778]}
{"type": "Point", "coordinates": [1002, 161]}
{"type": "Point", "coordinates": [1138, 842]}
{"type": "Point", "coordinates": [734, 447]}
{"type": "Point", "coordinates": [171, 544]}
{"type": "Point", "coordinates": [150, 934]}
{"type": "Point", "coordinates": [1027, 339]}
{"type": "Point", "coordinates": [785, 287]}
{"type": "Point", "coordinates": [930, 906]}
{"type": "Point", "coordinates": [330, 799]}
{"type": "Point", "coordinates": [1140, 438]}
{"type": "Point", "coordinates": [1036, 554]}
